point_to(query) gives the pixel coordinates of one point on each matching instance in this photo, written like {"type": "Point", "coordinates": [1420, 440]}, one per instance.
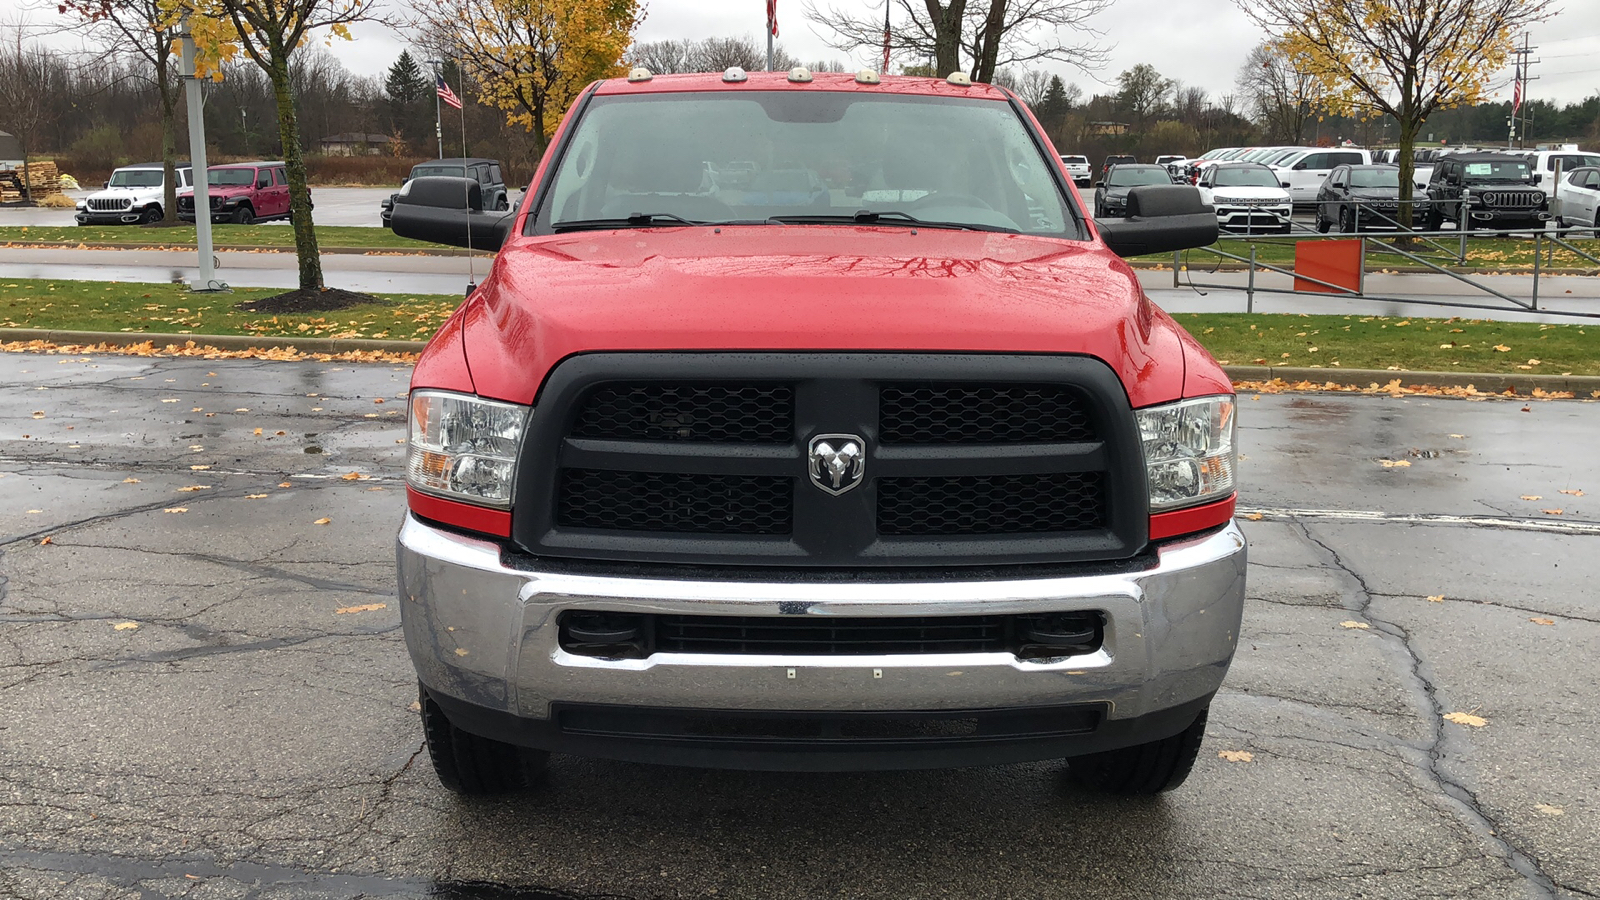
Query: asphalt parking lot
{"type": "Point", "coordinates": [206, 694]}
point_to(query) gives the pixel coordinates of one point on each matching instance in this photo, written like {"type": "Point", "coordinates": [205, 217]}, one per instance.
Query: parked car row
{"type": "Point", "coordinates": [240, 193]}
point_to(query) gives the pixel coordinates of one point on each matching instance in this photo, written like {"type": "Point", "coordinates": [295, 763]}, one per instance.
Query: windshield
{"type": "Point", "coordinates": [1375, 178]}
{"type": "Point", "coordinates": [1133, 176]}
{"type": "Point", "coordinates": [1246, 176]}
{"type": "Point", "coordinates": [438, 171]}
{"type": "Point", "coordinates": [131, 178]}
{"type": "Point", "coordinates": [813, 155]}
{"type": "Point", "coordinates": [1498, 170]}
{"type": "Point", "coordinates": [231, 177]}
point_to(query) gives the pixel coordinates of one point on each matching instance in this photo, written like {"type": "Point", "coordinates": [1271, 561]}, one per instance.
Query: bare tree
{"type": "Point", "coordinates": [142, 28]}
{"type": "Point", "coordinates": [662, 57]}
{"type": "Point", "coordinates": [980, 37]}
{"type": "Point", "coordinates": [1278, 93]}
{"type": "Point", "coordinates": [714, 54]}
{"type": "Point", "coordinates": [30, 78]}
{"type": "Point", "coordinates": [1033, 87]}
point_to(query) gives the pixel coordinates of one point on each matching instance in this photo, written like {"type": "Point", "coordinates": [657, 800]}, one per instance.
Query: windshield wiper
{"type": "Point", "coordinates": [634, 220]}
{"type": "Point", "coordinates": [870, 217]}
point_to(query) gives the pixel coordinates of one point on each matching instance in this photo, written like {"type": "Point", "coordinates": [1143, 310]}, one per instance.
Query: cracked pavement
{"type": "Point", "coordinates": [202, 704]}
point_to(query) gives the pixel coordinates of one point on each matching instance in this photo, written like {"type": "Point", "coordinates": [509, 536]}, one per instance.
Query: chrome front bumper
{"type": "Point", "coordinates": [485, 634]}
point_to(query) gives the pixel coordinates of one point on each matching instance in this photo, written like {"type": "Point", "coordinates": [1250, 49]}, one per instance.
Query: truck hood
{"type": "Point", "coordinates": [850, 288]}
{"type": "Point", "coordinates": [1251, 193]}
{"type": "Point", "coordinates": [123, 193]}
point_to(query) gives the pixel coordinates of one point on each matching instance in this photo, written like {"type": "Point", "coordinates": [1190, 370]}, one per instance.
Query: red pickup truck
{"type": "Point", "coordinates": [808, 422]}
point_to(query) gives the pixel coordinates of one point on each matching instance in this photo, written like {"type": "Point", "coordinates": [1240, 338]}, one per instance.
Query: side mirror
{"type": "Point", "coordinates": [1538, 179]}
{"type": "Point", "coordinates": [1299, 167]}
{"type": "Point", "coordinates": [108, 183]}
{"type": "Point", "coordinates": [1161, 218]}
{"type": "Point", "coordinates": [448, 211]}
{"type": "Point", "coordinates": [1283, 184]}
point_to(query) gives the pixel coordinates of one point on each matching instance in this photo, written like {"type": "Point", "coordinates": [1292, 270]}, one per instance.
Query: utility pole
{"type": "Point", "coordinates": [197, 165]}
{"type": "Point", "coordinates": [1519, 94]}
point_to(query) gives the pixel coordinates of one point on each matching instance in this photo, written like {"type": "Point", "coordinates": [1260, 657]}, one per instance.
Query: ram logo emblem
{"type": "Point", "coordinates": [837, 461]}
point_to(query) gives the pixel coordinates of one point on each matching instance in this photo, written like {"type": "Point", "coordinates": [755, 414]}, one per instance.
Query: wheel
{"type": "Point", "coordinates": [503, 205]}
{"type": "Point", "coordinates": [1323, 225]}
{"type": "Point", "coordinates": [1346, 222]}
{"type": "Point", "coordinates": [1433, 219]}
{"type": "Point", "coordinates": [469, 764]}
{"type": "Point", "coordinates": [244, 215]}
{"type": "Point", "coordinates": [1143, 768]}
{"type": "Point", "coordinates": [151, 215]}
{"type": "Point", "coordinates": [1099, 211]}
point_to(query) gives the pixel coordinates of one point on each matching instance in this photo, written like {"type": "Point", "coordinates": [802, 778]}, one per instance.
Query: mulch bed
{"type": "Point", "coordinates": [303, 301]}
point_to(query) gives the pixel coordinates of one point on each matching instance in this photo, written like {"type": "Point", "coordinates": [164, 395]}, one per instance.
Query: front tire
{"type": "Point", "coordinates": [1346, 222]}
{"type": "Point", "coordinates": [150, 216]}
{"type": "Point", "coordinates": [244, 215]}
{"type": "Point", "coordinates": [1142, 769]}
{"type": "Point", "coordinates": [469, 764]}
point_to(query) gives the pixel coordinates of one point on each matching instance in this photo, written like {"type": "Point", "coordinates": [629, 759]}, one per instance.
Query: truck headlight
{"type": "Point", "coordinates": [1189, 454]}
{"type": "Point", "coordinates": [464, 447]}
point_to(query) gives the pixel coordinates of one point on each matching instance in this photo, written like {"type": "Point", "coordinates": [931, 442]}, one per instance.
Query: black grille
{"type": "Point", "coordinates": [636, 636]}
{"type": "Point", "coordinates": [1513, 199]}
{"type": "Point", "coordinates": [104, 204]}
{"type": "Point", "coordinates": [675, 502]}
{"type": "Point", "coordinates": [717, 414]}
{"type": "Point", "coordinates": [991, 504]}
{"type": "Point", "coordinates": [981, 414]}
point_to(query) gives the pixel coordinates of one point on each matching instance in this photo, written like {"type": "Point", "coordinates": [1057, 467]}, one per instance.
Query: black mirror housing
{"type": "Point", "coordinates": [448, 211]}
{"type": "Point", "coordinates": [1161, 218]}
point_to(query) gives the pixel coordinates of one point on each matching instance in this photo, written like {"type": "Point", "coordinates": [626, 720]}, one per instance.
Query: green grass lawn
{"type": "Point", "coordinates": [1482, 253]}
{"type": "Point", "coordinates": [222, 236]}
{"type": "Point", "coordinates": [1378, 342]}
{"type": "Point", "coordinates": [1349, 342]}
{"type": "Point", "coordinates": [173, 309]}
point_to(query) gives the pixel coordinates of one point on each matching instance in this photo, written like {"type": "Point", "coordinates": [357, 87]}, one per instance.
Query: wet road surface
{"type": "Point", "coordinates": [204, 704]}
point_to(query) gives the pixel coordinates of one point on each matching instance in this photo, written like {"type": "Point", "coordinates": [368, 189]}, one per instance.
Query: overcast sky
{"type": "Point", "coordinates": [1199, 42]}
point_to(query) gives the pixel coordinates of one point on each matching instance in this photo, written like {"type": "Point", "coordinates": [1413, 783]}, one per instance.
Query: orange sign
{"type": "Point", "coordinates": [1331, 262]}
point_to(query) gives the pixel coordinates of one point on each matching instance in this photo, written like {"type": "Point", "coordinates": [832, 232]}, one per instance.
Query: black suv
{"type": "Point", "coordinates": [484, 171]}
{"type": "Point", "coordinates": [1500, 188]}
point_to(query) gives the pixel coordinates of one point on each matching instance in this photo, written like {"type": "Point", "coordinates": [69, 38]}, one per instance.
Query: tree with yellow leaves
{"type": "Point", "coordinates": [269, 32]}
{"type": "Point", "coordinates": [1401, 58]}
{"type": "Point", "coordinates": [531, 58]}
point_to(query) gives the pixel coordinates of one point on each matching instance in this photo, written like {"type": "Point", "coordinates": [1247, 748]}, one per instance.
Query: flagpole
{"type": "Point", "coordinates": [772, 19]}
{"type": "Point", "coordinates": [438, 114]}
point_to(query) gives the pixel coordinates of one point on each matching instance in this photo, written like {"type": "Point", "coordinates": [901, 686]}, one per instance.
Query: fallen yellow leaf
{"type": "Point", "coordinates": [460, 651]}
{"type": "Point", "coordinates": [1459, 436]}
{"type": "Point", "coordinates": [1574, 493]}
{"type": "Point", "coordinates": [1395, 463]}
{"type": "Point", "coordinates": [1553, 512]}
{"type": "Point", "coordinates": [285, 484]}
{"type": "Point", "coordinates": [39, 414]}
{"type": "Point", "coordinates": [1436, 598]}
{"type": "Point", "coordinates": [1542, 621]}
{"type": "Point", "coordinates": [1461, 718]}
{"type": "Point", "coordinates": [194, 487]}
{"type": "Point", "coordinates": [1236, 755]}
{"type": "Point", "coordinates": [1354, 624]}
{"type": "Point", "coordinates": [353, 476]}
{"type": "Point", "coordinates": [254, 496]}
{"type": "Point", "coordinates": [1549, 810]}
{"type": "Point", "coordinates": [1532, 497]}
{"type": "Point", "coordinates": [1501, 348]}
{"type": "Point", "coordinates": [48, 540]}
{"type": "Point", "coordinates": [176, 509]}
{"type": "Point", "coordinates": [1255, 517]}
{"type": "Point", "coordinates": [198, 468]}
{"type": "Point", "coordinates": [130, 480]}
{"type": "Point", "coordinates": [322, 521]}
{"type": "Point", "coordinates": [126, 626]}
{"type": "Point", "coordinates": [367, 607]}
{"type": "Point", "coordinates": [258, 431]}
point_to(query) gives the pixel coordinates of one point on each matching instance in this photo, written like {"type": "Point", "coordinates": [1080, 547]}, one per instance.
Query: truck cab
{"type": "Point", "coordinates": [902, 472]}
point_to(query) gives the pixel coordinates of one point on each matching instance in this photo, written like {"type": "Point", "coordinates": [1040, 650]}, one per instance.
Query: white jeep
{"type": "Point", "coordinates": [132, 195]}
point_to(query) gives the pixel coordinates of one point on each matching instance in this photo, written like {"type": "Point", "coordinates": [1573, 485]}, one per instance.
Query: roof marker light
{"type": "Point", "coordinates": [867, 76]}
{"type": "Point", "coordinates": [734, 75]}
{"type": "Point", "coordinates": [638, 74]}
{"type": "Point", "coordinates": [959, 79]}
{"type": "Point", "coordinates": [800, 75]}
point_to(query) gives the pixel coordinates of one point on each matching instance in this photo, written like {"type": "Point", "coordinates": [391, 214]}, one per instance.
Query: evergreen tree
{"type": "Point", "coordinates": [1055, 103]}
{"type": "Point", "coordinates": [406, 87]}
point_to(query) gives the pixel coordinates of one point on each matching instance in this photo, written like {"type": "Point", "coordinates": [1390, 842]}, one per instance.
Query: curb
{"type": "Point", "coordinates": [218, 341]}
{"type": "Point", "coordinates": [1483, 381]}
{"type": "Point", "coordinates": [1148, 265]}
{"type": "Point", "coordinates": [249, 248]}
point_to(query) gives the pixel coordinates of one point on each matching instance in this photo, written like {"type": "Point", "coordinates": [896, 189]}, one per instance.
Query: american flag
{"type": "Point", "coordinates": [772, 17]}
{"type": "Point", "coordinates": [1516, 90]}
{"type": "Point", "coordinates": [446, 94]}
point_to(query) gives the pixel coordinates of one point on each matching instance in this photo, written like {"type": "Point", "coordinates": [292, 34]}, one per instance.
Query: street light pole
{"type": "Point", "coordinates": [197, 165]}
